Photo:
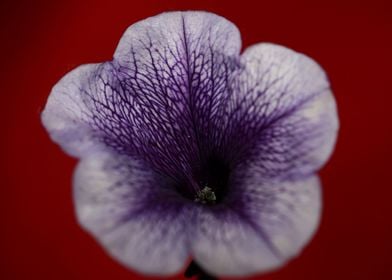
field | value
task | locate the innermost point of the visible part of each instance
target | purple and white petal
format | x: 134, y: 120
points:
x: 175, y: 68
x: 225, y: 243
x: 133, y: 213
x: 282, y: 105
x: 259, y: 229
x: 287, y: 211
x: 181, y: 35
x: 66, y: 115
x: 159, y: 99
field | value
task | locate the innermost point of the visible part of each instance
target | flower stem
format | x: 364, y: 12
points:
x: 195, y: 270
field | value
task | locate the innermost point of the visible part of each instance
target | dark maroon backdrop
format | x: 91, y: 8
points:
x: 40, y: 42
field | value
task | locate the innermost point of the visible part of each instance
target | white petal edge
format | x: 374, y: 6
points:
x: 198, y: 28
x: 64, y: 115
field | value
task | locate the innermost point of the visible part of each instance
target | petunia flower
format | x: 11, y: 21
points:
x: 190, y: 150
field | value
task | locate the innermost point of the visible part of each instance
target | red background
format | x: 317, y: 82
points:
x: 41, y: 41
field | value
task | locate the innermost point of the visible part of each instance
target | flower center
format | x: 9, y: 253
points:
x: 209, y: 182
x: 206, y: 196
x: 212, y: 179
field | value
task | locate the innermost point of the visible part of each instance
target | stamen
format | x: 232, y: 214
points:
x: 206, y: 195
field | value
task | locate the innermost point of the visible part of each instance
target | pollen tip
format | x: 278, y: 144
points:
x: 206, y: 196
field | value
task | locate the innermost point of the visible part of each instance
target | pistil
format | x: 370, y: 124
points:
x: 205, y: 196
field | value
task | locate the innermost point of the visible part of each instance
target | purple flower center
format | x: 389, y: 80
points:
x: 212, y: 179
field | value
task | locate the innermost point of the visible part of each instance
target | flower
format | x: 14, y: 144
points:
x: 189, y: 149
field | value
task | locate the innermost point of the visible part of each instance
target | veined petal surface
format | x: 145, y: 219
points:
x: 259, y: 228
x: 281, y: 115
x: 133, y: 212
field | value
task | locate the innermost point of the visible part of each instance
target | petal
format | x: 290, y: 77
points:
x: 287, y: 211
x: 179, y: 35
x: 176, y: 67
x: 282, y: 102
x: 225, y: 244
x: 133, y: 213
x: 157, y: 100
x: 300, y: 143
x: 260, y: 229
x: 66, y: 115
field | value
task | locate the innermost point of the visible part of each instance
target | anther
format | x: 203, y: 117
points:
x: 206, y: 195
